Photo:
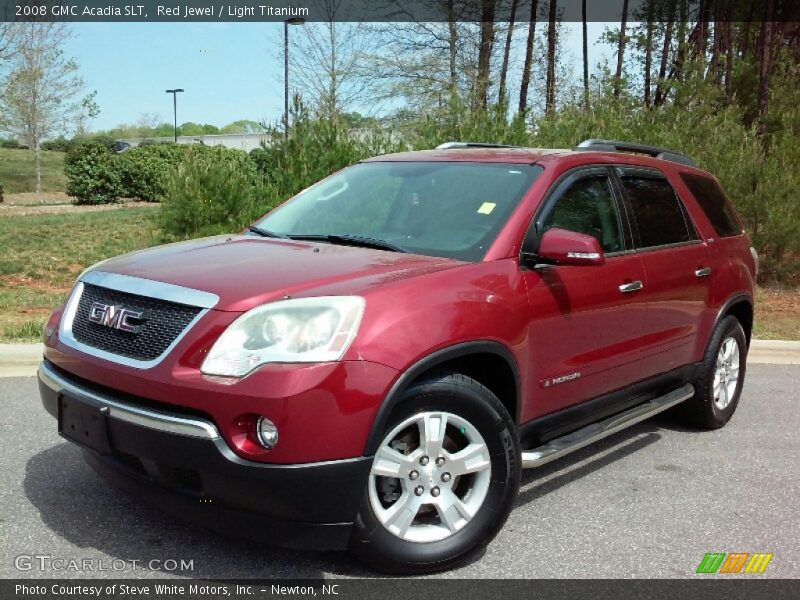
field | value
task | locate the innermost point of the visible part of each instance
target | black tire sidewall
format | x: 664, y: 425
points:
x: 729, y: 327
x: 471, y: 401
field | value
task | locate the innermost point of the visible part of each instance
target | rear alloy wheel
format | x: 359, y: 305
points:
x: 726, y: 374
x: 443, y: 480
x: 719, y: 380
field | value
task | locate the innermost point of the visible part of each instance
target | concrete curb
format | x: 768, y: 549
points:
x: 21, y: 360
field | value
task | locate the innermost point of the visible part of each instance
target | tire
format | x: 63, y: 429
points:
x: 715, y: 401
x: 477, y: 476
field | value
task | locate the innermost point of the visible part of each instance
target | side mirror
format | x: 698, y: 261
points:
x: 563, y: 247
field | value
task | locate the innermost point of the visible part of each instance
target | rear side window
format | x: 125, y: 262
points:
x: 714, y: 203
x: 657, y: 211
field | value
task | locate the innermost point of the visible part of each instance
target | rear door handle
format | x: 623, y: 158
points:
x: 703, y: 272
x: 633, y: 286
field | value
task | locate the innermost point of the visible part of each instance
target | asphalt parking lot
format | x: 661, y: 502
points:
x: 647, y: 502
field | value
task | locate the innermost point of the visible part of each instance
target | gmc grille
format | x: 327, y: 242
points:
x: 165, y: 322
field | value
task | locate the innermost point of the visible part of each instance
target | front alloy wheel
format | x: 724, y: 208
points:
x: 443, y: 480
x: 430, y: 477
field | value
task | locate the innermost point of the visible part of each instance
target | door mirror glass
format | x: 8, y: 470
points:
x: 563, y: 247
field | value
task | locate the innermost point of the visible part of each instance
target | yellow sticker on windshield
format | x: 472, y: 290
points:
x: 486, y: 208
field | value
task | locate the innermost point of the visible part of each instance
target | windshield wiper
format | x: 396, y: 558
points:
x: 266, y: 232
x: 349, y: 240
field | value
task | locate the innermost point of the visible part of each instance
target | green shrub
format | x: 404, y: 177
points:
x: 11, y: 144
x: 59, y: 144
x: 212, y: 190
x: 143, y: 170
x: 315, y: 148
x: 92, y: 175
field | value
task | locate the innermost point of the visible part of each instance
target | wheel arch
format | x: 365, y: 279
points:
x: 490, y: 363
x: 739, y: 306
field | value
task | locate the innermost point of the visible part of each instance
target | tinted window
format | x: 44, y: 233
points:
x: 588, y: 207
x: 658, y: 213
x: 447, y: 209
x: 712, y: 200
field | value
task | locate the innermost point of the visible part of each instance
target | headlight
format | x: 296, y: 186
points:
x: 290, y: 331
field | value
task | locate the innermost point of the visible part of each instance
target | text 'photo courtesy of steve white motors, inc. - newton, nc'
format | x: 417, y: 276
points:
x: 144, y: 12
x: 165, y: 590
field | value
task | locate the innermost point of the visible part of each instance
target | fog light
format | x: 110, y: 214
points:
x: 267, y: 432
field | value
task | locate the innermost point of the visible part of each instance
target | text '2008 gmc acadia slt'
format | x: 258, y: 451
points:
x: 372, y: 364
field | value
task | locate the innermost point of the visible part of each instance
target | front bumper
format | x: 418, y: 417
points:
x: 182, y: 464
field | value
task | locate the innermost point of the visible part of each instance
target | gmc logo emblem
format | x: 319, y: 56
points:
x: 116, y: 317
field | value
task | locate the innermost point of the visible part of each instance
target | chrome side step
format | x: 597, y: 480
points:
x: 597, y: 431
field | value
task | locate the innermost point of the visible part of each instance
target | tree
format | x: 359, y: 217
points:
x: 620, y: 49
x: 662, y: 69
x: 585, y: 57
x: 243, y: 126
x: 326, y: 60
x: 550, y: 90
x: 648, y: 52
x: 485, y: 52
x: 8, y: 33
x: 507, y: 51
x: 40, y: 94
x: 764, y: 50
x: 526, y: 68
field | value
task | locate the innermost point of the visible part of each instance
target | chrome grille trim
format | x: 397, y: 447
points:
x: 141, y: 287
x: 152, y: 289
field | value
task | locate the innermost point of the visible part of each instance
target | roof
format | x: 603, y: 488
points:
x: 499, y: 155
x: 531, y: 156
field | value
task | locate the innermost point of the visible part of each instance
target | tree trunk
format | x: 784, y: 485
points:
x: 765, y: 44
x: 485, y: 52
x: 713, y: 68
x: 37, y: 162
x: 550, y: 89
x: 585, y: 58
x: 729, y: 52
x: 526, y: 68
x: 662, y: 69
x: 744, y: 39
x: 504, y: 70
x: 453, y: 42
x: 648, y: 52
x: 621, y: 49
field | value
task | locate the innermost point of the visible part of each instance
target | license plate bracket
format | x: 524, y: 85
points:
x: 83, y: 423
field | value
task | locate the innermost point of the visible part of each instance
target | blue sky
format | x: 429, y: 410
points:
x: 230, y: 71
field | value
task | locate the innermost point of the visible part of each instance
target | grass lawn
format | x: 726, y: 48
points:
x: 40, y: 257
x: 17, y: 175
x: 777, y: 314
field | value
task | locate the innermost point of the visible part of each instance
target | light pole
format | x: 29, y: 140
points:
x: 286, y: 23
x: 175, y: 93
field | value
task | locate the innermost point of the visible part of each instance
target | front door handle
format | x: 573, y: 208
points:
x: 633, y: 286
x: 703, y: 272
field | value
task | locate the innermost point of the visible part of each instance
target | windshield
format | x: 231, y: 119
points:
x: 446, y: 209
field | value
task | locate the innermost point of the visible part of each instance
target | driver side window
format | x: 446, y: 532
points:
x: 588, y: 207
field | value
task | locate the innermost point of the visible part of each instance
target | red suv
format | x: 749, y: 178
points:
x: 371, y: 365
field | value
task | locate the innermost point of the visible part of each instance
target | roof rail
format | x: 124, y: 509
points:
x: 454, y: 145
x: 654, y: 151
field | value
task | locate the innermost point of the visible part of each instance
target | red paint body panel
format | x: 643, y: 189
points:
x: 554, y: 321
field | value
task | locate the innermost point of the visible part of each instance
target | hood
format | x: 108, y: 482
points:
x: 245, y: 271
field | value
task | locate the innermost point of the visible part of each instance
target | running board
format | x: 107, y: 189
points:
x: 597, y: 431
